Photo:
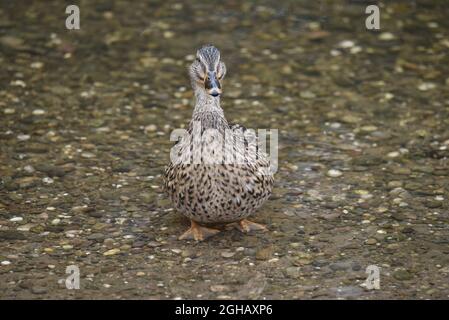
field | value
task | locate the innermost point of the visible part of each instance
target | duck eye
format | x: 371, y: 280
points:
x: 201, y: 78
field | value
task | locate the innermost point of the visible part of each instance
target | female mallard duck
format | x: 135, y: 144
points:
x: 211, y: 189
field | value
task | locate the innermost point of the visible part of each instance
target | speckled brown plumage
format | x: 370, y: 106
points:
x: 213, y: 190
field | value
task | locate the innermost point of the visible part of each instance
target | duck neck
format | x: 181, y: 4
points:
x: 208, y: 112
x: 206, y: 103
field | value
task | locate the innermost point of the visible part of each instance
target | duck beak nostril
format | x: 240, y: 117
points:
x: 214, y: 91
x: 212, y: 84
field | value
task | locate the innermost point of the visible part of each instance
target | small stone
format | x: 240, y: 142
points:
x: 355, y: 50
x: 293, y: 272
x: 5, y: 263
x: 47, y: 180
x: 26, y: 227
x: 96, y: 236
x: 219, y: 288
x: 18, y: 83
x: 335, y: 53
x: 400, y: 192
x: 9, y: 111
x: 111, y: 252
x: 108, y: 242
x: 23, y: 137
x: 227, y: 254
x: 402, y: 275
x: 445, y: 269
x: 371, y: 241
x: 87, y: 155
x: 334, y: 173
x: 150, y: 128
x: 307, y: 95
x: 368, y: 128
x: 39, y: 290
x: 12, y: 235
x: 386, y: 36
x: 398, y: 216
x: 393, y: 154
x: 287, y: 69
x: 303, y: 261
x: 433, y: 204
x: 389, y: 96
x: 55, y: 221
x: 12, y: 42
x: 408, y: 230
x: 36, y: 65
x: 80, y: 209
x: 16, y: 219
x: 351, y: 119
x: 425, y: 86
x: 335, y: 125
x: 187, y: 253
x: 393, y: 246
x: 38, y: 112
x: 168, y: 34
x: 346, y: 44
x: 340, y: 266
x: 29, y: 169
x: 264, y: 253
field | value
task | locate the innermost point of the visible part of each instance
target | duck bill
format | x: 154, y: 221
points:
x: 212, y: 85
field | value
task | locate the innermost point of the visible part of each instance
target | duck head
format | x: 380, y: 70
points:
x: 207, y: 71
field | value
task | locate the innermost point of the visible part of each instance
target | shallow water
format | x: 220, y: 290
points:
x: 85, y: 120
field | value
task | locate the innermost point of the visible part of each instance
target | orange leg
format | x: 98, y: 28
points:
x: 197, y: 232
x: 247, y: 226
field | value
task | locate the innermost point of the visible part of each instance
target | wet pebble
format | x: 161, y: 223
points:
x: 150, y: 128
x: 293, y: 272
x: 386, y: 36
x: 9, y: 111
x: 340, y: 266
x: 39, y: 290
x: 11, y: 235
x: 227, y: 254
x: 346, y: 44
x: 402, y: 275
x: 23, y: 137
x: 426, y: 86
x: 51, y: 170
x: 111, y: 252
x: 12, y: 42
x: 38, y: 112
x: 219, y: 288
x: 334, y: 173
x: 264, y: 253
x: 47, y: 180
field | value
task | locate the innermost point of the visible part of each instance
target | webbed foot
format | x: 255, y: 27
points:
x: 197, y: 232
x: 247, y: 226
